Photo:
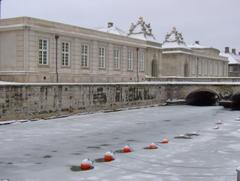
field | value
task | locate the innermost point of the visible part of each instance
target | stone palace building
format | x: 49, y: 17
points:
x: 34, y: 50
x: 234, y: 61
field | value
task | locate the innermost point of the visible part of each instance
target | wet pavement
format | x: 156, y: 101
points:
x: 46, y: 150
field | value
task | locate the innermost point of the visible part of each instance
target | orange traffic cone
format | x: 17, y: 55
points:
x: 108, y: 156
x: 127, y: 149
x: 152, y: 146
x: 86, y: 164
x: 165, y: 141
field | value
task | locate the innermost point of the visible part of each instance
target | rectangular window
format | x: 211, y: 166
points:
x: 65, y: 54
x: 43, y: 52
x: 193, y: 67
x: 203, y: 68
x: 116, y: 58
x: 101, y: 54
x: 130, y: 60
x: 142, y: 61
x: 205, y: 63
x: 84, y: 55
x: 215, y: 68
x: 199, y: 67
x: 209, y: 68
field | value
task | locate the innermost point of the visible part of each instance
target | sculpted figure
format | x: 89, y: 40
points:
x: 144, y: 29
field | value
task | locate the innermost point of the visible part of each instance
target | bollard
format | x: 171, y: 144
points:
x: 238, y: 174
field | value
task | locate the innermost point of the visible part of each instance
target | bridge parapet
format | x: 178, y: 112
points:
x: 194, y: 79
x: 26, y: 101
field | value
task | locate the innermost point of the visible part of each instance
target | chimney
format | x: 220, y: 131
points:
x: 227, y: 50
x: 110, y: 24
x: 197, y: 42
x: 234, y: 51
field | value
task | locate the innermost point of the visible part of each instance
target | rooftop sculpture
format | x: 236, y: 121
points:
x: 141, y: 28
x: 174, y: 36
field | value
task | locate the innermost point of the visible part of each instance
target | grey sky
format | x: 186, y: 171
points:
x: 213, y: 22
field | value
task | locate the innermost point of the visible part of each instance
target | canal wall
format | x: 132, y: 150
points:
x: 42, y: 100
x: 28, y: 101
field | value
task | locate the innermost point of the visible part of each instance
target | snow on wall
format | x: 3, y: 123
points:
x: 26, y: 101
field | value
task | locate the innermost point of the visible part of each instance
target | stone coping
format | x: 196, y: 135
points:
x: 121, y: 83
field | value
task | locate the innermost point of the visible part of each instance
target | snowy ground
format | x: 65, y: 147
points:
x: 46, y: 150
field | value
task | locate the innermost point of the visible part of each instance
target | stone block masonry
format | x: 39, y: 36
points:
x: 28, y: 101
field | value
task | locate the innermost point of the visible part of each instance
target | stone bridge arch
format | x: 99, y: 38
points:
x: 223, y: 92
x: 215, y: 92
x: 203, y: 97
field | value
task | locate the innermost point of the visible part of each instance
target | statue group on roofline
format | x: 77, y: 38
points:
x: 146, y: 29
x: 174, y: 36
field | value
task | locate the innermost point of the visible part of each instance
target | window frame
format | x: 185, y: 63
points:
x: 117, y: 59
x: 200, y: 68
x: 64, y: 53
x: 142, y: 61
x: 42, y: 50
x: 130, y: 60
x: 85, y: 63
x: 102, y: 58
x: 231, y: 68
x: 193, y: 67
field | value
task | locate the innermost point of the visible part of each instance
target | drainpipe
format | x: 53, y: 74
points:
x: 137, y: 65
x: 56, y: 38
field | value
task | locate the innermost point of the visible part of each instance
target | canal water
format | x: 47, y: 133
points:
x: 48, y: 149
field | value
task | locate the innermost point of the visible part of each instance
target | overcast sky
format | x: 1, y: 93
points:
x: 212, y: 22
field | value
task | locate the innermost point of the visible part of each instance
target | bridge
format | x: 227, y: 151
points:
x: 202, y: 93
x: 202, y: 90
x: 30, y: 100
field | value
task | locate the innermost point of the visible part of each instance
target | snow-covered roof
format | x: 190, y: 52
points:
x: 232, y: 58
x: 142, y: 37
x: 174, y: 39
x: 197, y: 46
x: 174, y: 45
x: 112, y: 29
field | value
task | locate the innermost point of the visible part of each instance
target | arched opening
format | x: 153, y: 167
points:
x: 236, y: 101
x: 202, y: 98
x: 154, y: 68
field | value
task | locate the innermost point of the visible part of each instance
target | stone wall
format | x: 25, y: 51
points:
x: 194, y: 79
x: 32, y: 100
x: 27, y: 101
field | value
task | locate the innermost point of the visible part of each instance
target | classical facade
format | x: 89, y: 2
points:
x: 180, y: 59
x: 234, y: 62
x: 34, y: 50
